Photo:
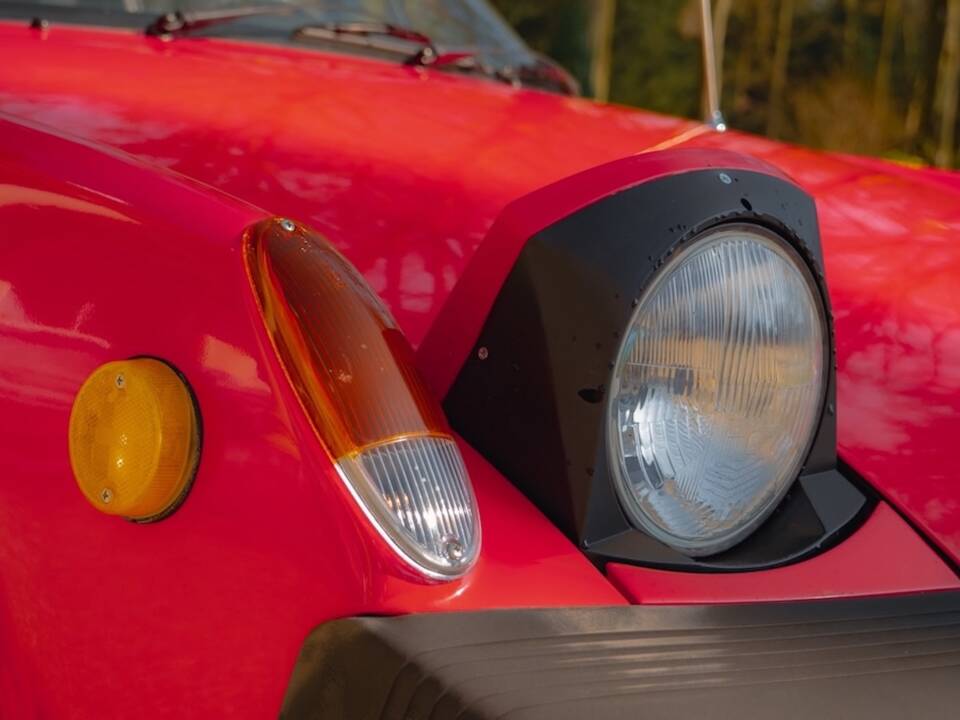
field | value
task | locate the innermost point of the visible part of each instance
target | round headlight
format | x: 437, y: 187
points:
x: 717, y: 389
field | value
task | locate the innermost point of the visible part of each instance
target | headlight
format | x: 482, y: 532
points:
x: 655, y: 371
x: 717, y: 389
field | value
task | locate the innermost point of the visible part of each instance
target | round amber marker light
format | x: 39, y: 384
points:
x: 134, y: 439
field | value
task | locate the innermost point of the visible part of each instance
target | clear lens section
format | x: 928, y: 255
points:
x: 717, y: 390
x: 415, y: 490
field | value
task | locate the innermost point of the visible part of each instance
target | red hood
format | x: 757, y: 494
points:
x: 406, y: 170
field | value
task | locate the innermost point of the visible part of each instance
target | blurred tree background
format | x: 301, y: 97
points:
x: 878, y: 77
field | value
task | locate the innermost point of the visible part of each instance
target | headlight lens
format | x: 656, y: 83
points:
x: 717, y: 389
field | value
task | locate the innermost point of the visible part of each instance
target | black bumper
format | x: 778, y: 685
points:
x: 879, y: 658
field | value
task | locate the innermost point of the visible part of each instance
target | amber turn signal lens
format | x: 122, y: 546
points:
x: 350, y: 364
x: 134, y: 439
x: 353, y: 371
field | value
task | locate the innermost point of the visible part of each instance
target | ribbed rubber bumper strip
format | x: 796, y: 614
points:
x: 896, y: 657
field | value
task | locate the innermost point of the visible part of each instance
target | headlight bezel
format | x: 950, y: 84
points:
x: 531, y: 394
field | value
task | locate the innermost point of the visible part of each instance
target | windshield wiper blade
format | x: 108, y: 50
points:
x: 359, y: 29
x: 180, y: 22
x: 416, y: 47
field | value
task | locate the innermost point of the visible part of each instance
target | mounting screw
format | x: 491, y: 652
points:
x: 725, y: 179
x: 106, y: 495
x: 121, y: 381
x: 483, y: 353
x: 287, y: 225
x: 453, y: 550
x: 39, y: 23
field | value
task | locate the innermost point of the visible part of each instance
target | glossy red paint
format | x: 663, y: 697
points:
x: 847, y: 570
x: 403, y: 168
x: 406, y: 170
x: 203, y: 613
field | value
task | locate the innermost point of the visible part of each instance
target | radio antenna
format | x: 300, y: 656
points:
x: 714, y: 115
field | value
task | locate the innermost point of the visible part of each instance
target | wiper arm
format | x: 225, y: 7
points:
x: 546, y: 74
x: 180, y: 22
x: 416, y: 47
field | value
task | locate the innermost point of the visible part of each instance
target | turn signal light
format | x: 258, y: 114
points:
x: 134, y: 439
x: 353, y: 371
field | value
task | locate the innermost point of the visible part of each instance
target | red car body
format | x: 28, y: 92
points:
x: 129, y: 169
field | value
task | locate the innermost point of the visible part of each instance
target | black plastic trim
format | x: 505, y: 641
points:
x: 878, y: 658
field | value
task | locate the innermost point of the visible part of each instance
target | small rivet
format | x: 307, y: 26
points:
x: 483, y: 353
x: 287, y: 225
x: 453, y: 549
x: 725, y: 179
x: 106, y: 495
x: 121, y: 381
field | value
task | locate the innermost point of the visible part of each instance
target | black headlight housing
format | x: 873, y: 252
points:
x: 531, y: 395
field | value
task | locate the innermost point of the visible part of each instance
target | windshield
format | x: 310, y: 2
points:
x: 451, y: 25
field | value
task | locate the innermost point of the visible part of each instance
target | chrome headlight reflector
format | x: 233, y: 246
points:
x: 717, y: 389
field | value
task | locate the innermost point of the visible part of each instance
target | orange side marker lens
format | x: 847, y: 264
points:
x: 134, y: 439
